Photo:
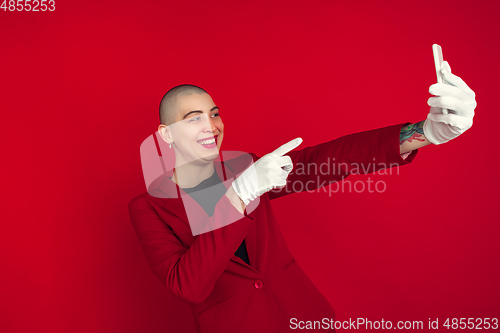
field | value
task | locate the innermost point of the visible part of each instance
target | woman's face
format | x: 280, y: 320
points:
x: 198, y: 131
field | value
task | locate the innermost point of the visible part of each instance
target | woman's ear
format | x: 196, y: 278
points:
x: 165, y: 133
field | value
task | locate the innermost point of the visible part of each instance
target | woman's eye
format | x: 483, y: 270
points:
x: 194, y: 119
x: 215, y: 114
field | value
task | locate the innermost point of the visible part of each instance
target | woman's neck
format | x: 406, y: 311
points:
x: 189, y: 175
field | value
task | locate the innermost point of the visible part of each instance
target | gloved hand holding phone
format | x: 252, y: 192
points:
x: 455, y: 96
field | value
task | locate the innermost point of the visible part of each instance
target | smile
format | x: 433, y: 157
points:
x: 208, y: 143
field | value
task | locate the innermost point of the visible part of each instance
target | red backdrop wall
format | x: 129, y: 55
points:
x: 80, y: 89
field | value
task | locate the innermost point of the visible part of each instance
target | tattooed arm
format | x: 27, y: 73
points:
x: 412, y: 137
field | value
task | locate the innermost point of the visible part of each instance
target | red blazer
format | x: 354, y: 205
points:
x: 225, y: 294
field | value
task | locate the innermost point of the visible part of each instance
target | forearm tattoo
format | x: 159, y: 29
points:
x: 412, y: 132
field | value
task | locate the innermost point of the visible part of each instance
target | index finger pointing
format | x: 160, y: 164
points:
x: 288, y: 146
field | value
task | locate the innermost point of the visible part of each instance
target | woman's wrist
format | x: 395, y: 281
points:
x: 235, y: 200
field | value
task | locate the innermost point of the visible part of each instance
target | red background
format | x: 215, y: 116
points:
x: 79, y: 93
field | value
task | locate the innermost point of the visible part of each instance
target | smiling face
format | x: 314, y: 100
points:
x: 197, y: 132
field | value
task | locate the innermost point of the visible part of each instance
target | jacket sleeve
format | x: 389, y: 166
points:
x: 332, y: 161
x: 189, y: 273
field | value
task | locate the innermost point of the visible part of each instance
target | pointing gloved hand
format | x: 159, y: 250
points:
x: 460, y: 101
x: 265, y: 174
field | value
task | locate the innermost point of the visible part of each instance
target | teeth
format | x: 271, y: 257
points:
x: 207, y: 142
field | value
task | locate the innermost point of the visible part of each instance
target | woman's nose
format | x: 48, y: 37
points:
x: 210, y: 126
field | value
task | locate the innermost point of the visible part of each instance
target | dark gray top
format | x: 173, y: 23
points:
x: 208, y: 202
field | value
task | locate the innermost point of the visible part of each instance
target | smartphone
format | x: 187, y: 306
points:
x: 437, y: 51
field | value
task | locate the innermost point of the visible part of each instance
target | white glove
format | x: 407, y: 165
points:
x: 460, y: 101
x: 265, y: 174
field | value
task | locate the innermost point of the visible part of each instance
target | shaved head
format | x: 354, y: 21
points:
x: 169, y: 104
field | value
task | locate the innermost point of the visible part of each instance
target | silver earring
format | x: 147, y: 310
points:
x: 170, y: 144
